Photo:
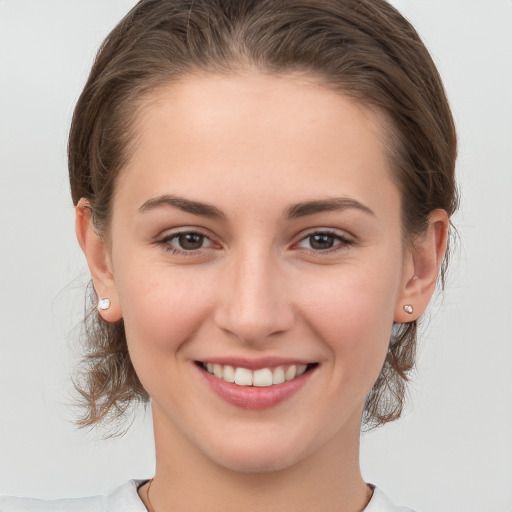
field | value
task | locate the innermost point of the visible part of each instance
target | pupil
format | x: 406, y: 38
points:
x: 190, y: 241
x: 322, y: 241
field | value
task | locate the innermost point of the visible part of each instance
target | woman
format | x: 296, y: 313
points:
x: 263, y: 193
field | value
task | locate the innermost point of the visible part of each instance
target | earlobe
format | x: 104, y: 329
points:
x: 98, y: 259
x: 422, y: 269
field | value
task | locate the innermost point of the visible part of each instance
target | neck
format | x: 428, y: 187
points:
x: 185, y: 479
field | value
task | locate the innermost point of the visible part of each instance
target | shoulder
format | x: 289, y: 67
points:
x: 123, y: 499
x: 126, y: 499
x: 381, y: 503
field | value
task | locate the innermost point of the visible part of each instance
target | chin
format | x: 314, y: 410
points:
x: 250, y: 455
x: 249, y: 462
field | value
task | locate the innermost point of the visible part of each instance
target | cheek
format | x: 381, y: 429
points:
x: 162, y: 309
x: 352, y: 311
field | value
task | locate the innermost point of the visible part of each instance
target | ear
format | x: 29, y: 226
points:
x: 98, y: 259
x: 422, y: 266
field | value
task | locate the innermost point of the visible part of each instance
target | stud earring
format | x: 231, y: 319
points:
x: 103, y: 304
x: 409, y: 309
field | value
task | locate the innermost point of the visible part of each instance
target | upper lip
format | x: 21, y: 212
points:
x: 256, y: 363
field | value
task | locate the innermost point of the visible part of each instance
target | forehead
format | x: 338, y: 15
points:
x: 264, y: 134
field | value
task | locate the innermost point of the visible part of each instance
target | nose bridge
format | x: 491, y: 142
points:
x: 255, y: 304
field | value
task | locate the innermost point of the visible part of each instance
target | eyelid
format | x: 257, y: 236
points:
x: 165, y: 240
x: 342, y: 237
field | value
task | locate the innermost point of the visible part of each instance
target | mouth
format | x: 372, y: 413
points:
x: 261, y: 377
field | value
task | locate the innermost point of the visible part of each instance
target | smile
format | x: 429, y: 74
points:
x: 265, y: 384
x: 263, y: 377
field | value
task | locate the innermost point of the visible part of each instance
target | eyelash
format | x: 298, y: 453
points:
x: 344, y: 242
x: 166, y: 243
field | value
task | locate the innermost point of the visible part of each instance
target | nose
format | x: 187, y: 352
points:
x: 254, y: 303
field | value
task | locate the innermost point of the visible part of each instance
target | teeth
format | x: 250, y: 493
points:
x: 264, y: 377
x: 290, y: 373
x: 228, y: 374
x: 217, y: 370
x: 301, y: 369
x: 243, y: 377
x: 278, y: 375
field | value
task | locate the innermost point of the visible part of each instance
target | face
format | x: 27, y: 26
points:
x: 256, y: 236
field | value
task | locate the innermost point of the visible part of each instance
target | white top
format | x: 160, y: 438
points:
x: 126, y: 499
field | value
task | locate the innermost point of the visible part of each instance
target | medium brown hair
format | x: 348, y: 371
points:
x: 365, y: 49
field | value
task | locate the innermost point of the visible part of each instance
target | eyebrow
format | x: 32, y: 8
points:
x: 326, y: 205
x: 293, y: 212
x: 186, y: 205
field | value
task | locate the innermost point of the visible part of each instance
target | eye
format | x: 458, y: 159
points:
x: 186, y: 241
x: 324, y: 241
x: 190, y: 241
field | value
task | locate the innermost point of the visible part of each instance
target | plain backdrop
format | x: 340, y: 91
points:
x: 452, y: 451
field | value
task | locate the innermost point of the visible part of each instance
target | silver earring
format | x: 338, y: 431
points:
x: 409, y: 309
x: 103, y: 304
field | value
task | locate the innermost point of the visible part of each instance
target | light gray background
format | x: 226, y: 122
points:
x: 453, y: 449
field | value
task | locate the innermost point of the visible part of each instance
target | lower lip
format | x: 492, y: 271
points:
x: 254, y: 397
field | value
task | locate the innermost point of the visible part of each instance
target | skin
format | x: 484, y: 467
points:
x: 253, y: 145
